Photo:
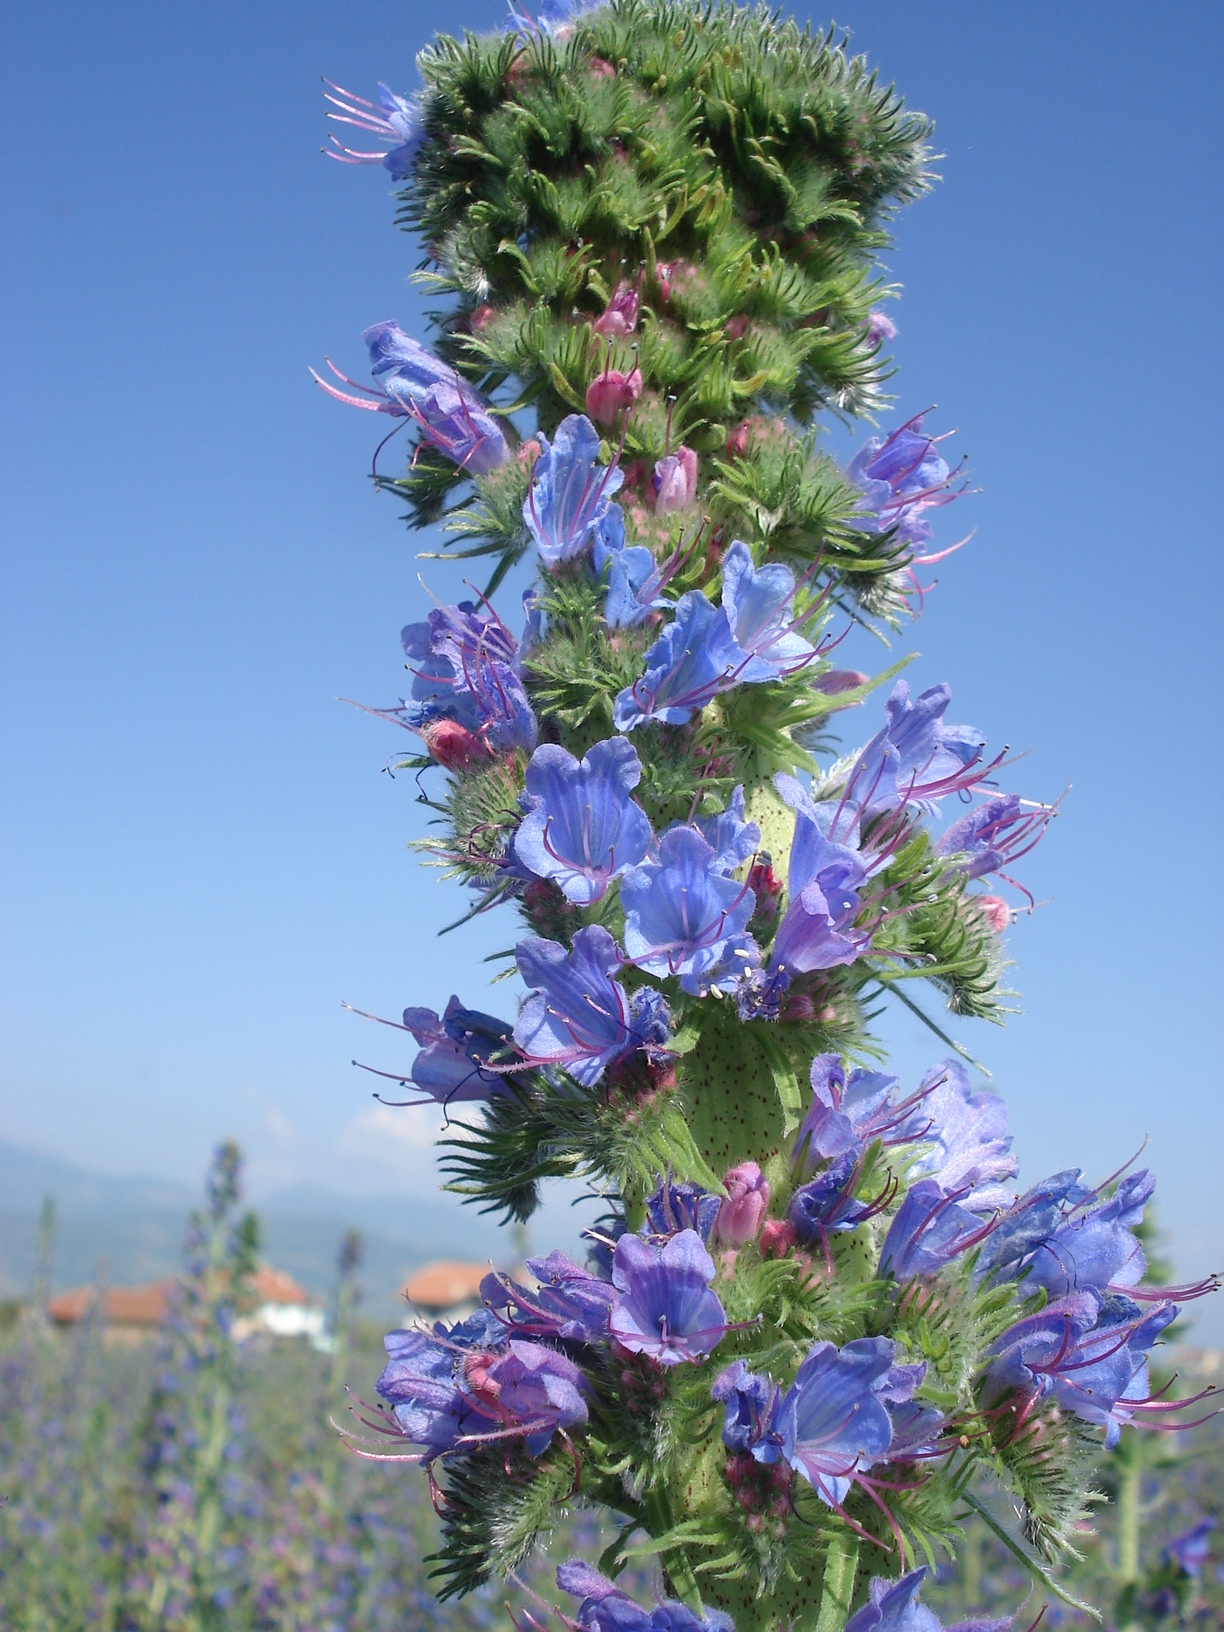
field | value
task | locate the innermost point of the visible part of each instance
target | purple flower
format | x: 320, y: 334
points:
x: 759, y: 603
x: 827, y: 1205
x: 420, y: 1383
x: 666, y: 1309
x: 916, y: 759
x: 452, y: 417
x: 1093, y: 1245
x: 694, y: 659
x: 901, y: 476
x: 970, y: 1150
x: 570, y: 492
x: 634, y: 577
x: 1088, y: 1352
x: 893, y: 1606
x: 675, y: 1207
x: 605, y: 1608
x: 620, y: 316
x: 583, y: 828
x: 1191, y: 1550
x: 994, y: 835
x: 553, y: 17
x: 684, y: 918
x: 453, y: 1050
x: 824, y: 881
x: 929, y: 1230
x: 465, y: 668
x: 577, y: 1016
x: 733, y: 840
x: 569, y: 1302
x: 531, y: 1390
x: 832, y: 1421
x: 675, y: 481
x: 393, y: 119
x: 743, y: 1212
x: 880, y: 327
x: 751, y: 1403
x: 850, y: 1109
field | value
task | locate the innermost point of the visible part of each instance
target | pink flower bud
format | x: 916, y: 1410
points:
x: 453, y: 745
x: 675, y: 481
x: 621, y: 316
x: 996, y: 912
x: 777, y: 1238
x: 737, y: 328
x: 481, y: 315
x: 741, y: 1215
x: 601, y: 68
x: 611, y: 392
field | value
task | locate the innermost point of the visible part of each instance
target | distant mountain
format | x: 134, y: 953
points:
x: 134, y: 1229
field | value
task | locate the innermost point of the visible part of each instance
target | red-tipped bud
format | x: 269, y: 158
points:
x: 777, y: 1238
x: 620, y: 318
x: 611, y: 392
x: 737, y: 328
x: 453, y: 745
x: 601, y: 68
x: 837, y: 680
x: 675, y: 481
x: 995, y: 910
x: 741, y: 1215
x: 480, y: 317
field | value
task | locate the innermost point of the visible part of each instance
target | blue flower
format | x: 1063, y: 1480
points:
x: 994, y: 835
x: 893, y: 1606
x: 1087, y: 1352
x: 420, y: 1383
x: 577, y: 1016
x: 634, y: 577
x: 824, y: 880
x: 453, y: 1050
x: 553, y: 17
x: 970, y: 1148
x: 392, y: 119
x: 1191, y: 1550
x: 682, y: 917
x: 929, y: 1230
x: 606, y: 1608
x: 531, y: 1390
x: 570, y: 492
x: 694, y: 659
x: 759, y: 604
x: 1093, y: 1245
x: 916, y: 759
x: 465, y: 668
x: 827, y: 1205
x: 901, y: 477
x: 582, y: 828
x: 1025, y: 1225
x: 751, y: 1409
x: 666, y: 1309
x: 675, y: 1207
x: 733, y: 840
x: 832, y: 1421
x: 453, y: 417
x: 850, y: 1109
x: 568, y: 1302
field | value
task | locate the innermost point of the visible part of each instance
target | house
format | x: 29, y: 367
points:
x: 275, y: 1306
x: 447, y: 1290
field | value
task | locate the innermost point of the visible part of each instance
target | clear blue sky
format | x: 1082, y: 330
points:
x: 201, y: 858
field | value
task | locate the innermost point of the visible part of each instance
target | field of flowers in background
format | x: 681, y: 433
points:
x: 191, y: 1483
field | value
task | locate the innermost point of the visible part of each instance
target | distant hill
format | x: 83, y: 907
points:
x: 135, y: 1225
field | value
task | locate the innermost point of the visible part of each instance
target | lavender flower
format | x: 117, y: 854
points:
x: 634, y: 577
x: 583, y: 828
x: 674, y: 1207
x: 901, y: 477
x: 1191, y: 1550
x: 675, y: 481
x: 570, y: 492
x: 421, y: 1382
x: 453, y: 1051
x: 893, y: 1607
x: 751, y: 1409
x: 759, y: 603
x: 395, y: 120
x: 824, y: 881
x: 605, y: 1608
x: 850, y: 1109
x: 694, y: 659
x: 684, y: 918
x: 826, y: 1205
x: 832, y: 1422
x: 916, y: 759
x: 733, y: 839
x: 994, y: 835
x: 465, y: 668
x: 880, y: 327
x: 970, y: 1148
x: 453, y: 418
x: 568, y: 1303
x: 929, y: 1229
x: 532, y: 1390
x: 577, y: 1016
x: 1093, y: 1246
x: 666, y: 1309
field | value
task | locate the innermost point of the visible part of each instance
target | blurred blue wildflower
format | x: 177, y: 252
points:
x: 394, y: 120
x: 606, y: 1608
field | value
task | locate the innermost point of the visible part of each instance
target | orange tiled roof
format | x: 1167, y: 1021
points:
x: 444, y: 1284
x: 270, y: 1285
x: 125, y: 1305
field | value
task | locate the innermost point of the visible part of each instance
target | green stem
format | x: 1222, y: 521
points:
x: 1031, y: 1565
x: 841, y: 1568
